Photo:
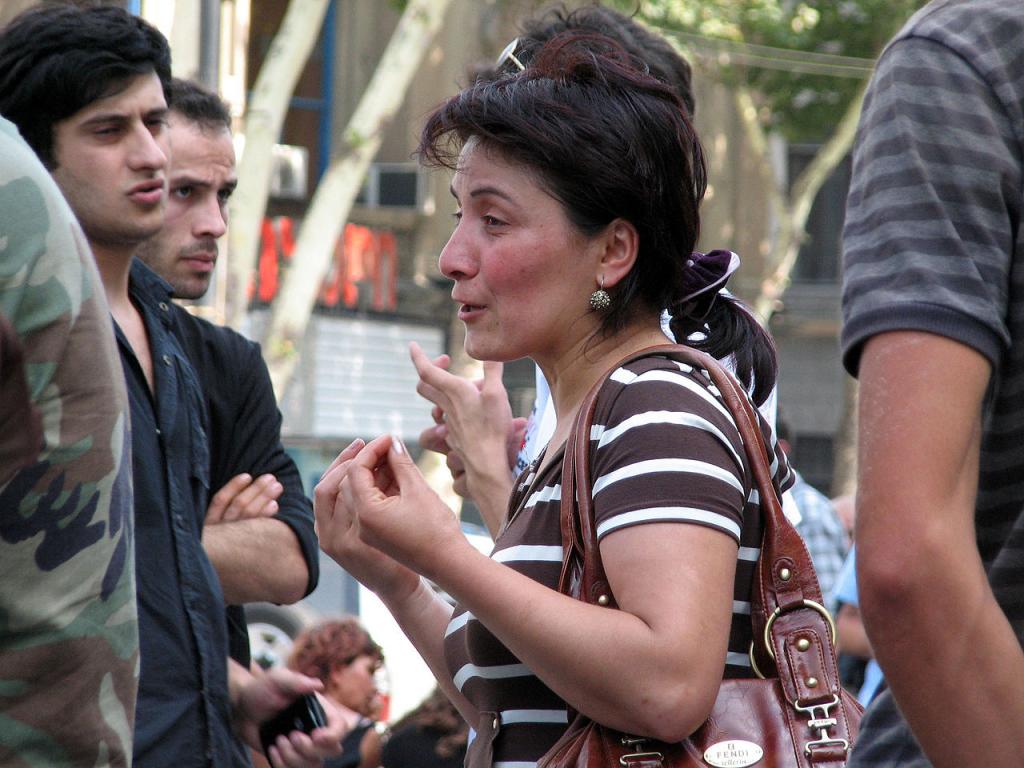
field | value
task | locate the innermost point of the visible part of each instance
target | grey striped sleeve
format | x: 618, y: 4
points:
x: 936, y: 181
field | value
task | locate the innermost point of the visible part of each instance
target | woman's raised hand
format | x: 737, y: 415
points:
x: 380, y: 520
x: 475, y: 412
x: 397, y: 512
x: 337, y: 526
x: 474, y: 428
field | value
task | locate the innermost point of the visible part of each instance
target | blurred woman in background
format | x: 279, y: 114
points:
x: 341, y: 653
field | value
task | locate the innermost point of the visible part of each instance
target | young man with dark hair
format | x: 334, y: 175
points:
x: 88, y: 89
x: 201, y: 180
x: 261, y: 502
x: 261, y: 493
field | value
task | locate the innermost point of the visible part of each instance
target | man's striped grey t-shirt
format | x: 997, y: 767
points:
x: 934, y: 242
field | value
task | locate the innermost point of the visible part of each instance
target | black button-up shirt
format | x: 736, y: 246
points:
x: 182, y: 716
x: 245, y: 436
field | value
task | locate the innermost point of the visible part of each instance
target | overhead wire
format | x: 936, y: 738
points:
x: 768, y: 57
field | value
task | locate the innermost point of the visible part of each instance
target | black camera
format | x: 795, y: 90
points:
x: 304, y: 714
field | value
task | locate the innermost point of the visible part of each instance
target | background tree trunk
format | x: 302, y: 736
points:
x: 795, y: 206
x: 844, y: 472
x: 328, y: 211
x: 264, y: 117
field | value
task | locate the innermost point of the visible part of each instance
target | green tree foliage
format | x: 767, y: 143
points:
x: 802, y: 61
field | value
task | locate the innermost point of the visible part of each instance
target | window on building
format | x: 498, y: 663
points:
x: 813, y: 456
x: 820, y: 256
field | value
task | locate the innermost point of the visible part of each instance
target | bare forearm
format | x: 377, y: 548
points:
x: 240, y: 551
x: 424, y: 617
x: 672, y: 634
x: 946, y: 640
x: 947, y: 649
x: 238, y: 679
x: 491, y: 495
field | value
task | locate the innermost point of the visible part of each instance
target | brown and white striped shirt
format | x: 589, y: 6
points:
x: 664, y: 448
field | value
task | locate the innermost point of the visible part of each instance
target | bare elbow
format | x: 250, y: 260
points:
x: 289, y: 583
x: 293, y: 588
x: 677, y: 714
x: 672, y: 732
x: 890, y: 586
x: 291, y: 596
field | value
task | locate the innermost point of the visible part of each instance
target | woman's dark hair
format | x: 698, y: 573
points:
x: 608, y: 141
x: 656, y: 53
x: 436, y: 713
x: 58, y: 59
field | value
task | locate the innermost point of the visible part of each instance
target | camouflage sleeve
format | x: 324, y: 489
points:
x: 68, y: 627
x: 20, y: 423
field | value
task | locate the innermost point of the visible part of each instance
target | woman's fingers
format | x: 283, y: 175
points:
x: 435, y: 438
x: 436, y: 383
x: 379, y: 470
x: 441, y: 361
x: 419, y: 357
x: 330, y: 520
x: 492, y: 377
x: 358, y: 487
x: 349, y: 452
x: 457, y: 466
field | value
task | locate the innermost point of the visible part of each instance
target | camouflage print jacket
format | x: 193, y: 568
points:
x: 68, y: 627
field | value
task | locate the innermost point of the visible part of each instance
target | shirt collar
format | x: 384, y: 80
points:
x: 149, y: 289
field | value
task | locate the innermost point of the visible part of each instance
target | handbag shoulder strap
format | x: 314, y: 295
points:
x: 786, y: 596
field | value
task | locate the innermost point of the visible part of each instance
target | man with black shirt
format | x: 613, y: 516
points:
x: 261, y: 504
x: 261, y: 513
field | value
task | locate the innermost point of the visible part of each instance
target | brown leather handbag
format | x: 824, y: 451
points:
x: 796, y: 714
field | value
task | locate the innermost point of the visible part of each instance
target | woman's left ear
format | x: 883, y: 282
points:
x: 621, y: 243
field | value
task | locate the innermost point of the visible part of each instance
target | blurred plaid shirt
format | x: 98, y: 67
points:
x: 823, y: 534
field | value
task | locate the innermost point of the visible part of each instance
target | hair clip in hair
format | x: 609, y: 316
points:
x: 509, y: 54
x: 704, y: 276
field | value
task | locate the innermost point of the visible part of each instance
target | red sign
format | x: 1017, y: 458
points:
x: 362, y: 256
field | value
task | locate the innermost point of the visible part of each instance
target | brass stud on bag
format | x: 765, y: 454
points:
x: 803, y: 644
x: 785, y: 574
x: 603, y: 600
x: 811, y: 682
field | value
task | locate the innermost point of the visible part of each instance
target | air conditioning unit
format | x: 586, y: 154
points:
x: 392, y: 185
x: 290, y: 172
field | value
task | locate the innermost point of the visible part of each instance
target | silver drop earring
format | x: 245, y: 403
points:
x: 599, y: 299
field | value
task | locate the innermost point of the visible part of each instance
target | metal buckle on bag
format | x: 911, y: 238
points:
x: 806, y: 604
x: 821, y: 720
x: 753, y: 662
x: 768, y: 633
x: 636, y: 758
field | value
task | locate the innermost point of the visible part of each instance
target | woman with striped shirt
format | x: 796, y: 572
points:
x: 577, y: 181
